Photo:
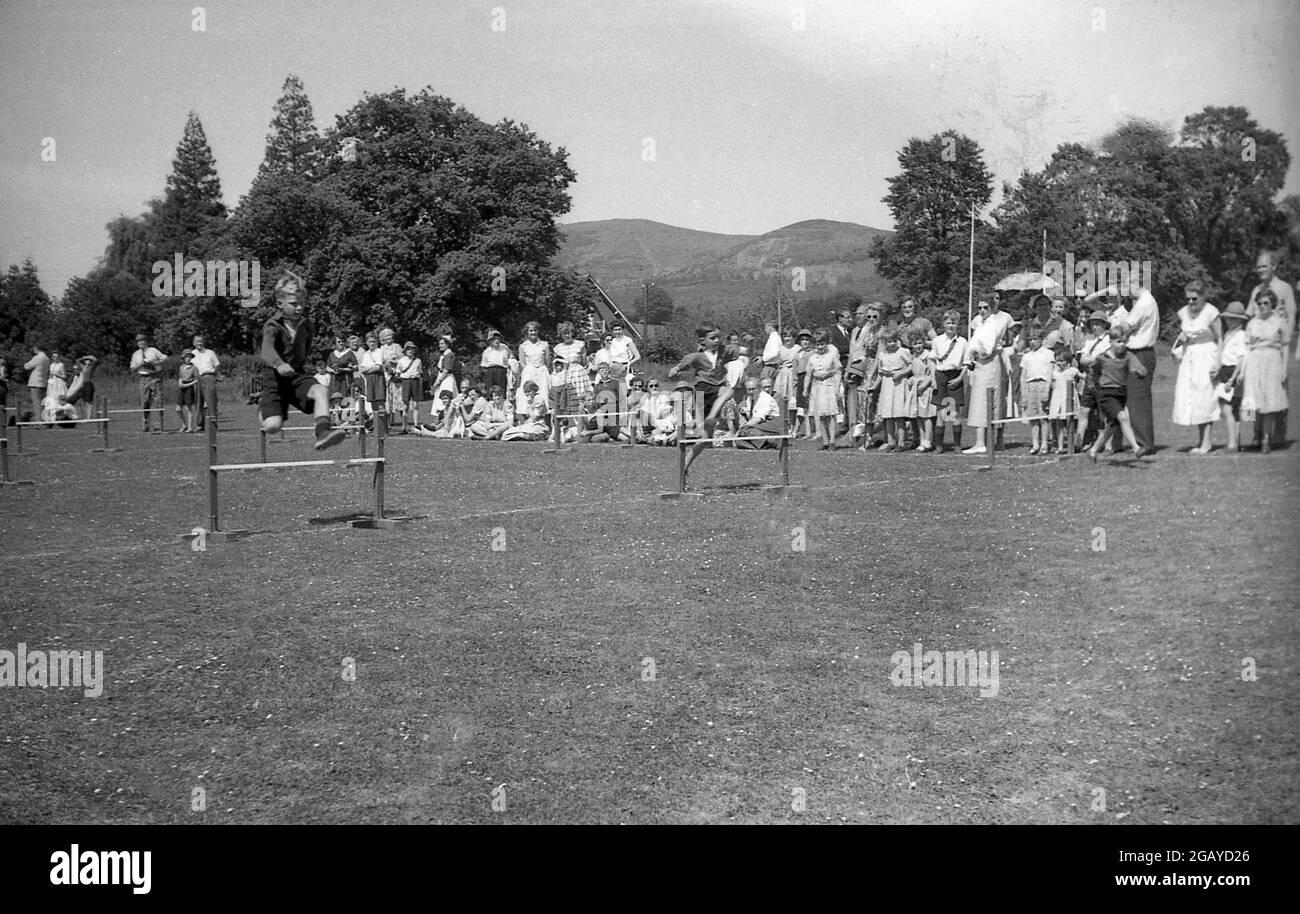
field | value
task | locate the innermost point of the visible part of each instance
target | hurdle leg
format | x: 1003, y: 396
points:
x: 18, y: 432
x: 261, y: 444
x: 213, y: 513
x: 989, y: 428
x: 380, y: 520
x: 103, y: 432
x: 557, y: 433
x: 4, y: 467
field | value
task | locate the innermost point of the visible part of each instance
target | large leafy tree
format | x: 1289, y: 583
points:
x: 931, y: 199
x: 439, y: 221
x: 101, y: 314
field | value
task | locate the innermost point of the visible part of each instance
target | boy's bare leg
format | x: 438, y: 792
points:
x: 1127, y: 428
x: 725, y: 395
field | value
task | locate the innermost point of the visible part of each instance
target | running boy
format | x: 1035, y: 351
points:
x: 286, y: 344
x: 709, y: 365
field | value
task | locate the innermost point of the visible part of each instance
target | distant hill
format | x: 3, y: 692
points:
x: 710, y: 271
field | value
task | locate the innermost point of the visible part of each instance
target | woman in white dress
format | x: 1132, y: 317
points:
x: 1195, y: 402
x: 445, y: 379
x: 985, y: 363
x: 1264, y: 371
x: 534, y: 365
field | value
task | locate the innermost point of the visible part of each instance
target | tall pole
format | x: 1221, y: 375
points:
x: 970, y: 277
x: 645, y: 311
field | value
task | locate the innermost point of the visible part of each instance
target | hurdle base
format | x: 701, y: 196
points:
x: 219, y: 536
x: 786, y: 491
x: 17, y: 482
x: 105, y: 450
x: 680, y: 496
x: 364, y: 519
x: 379, y: 523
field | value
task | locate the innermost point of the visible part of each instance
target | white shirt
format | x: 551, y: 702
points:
x: 1143, y: 321
x: 955, y: 355
x: 986, y: 339
x: 146, y: 361
x: 409, y: 367
x: 764, y: 407
x: 205, y: 361
x: 622, y: 349
x: 1036, y: 365
x: 1233, y: 348
x: 736, y: 371
x: 772, y: 348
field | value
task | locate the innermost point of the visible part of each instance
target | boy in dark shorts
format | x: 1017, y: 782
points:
x: 286, y: 344
x: 711, y: 391
x: 1110, y: 373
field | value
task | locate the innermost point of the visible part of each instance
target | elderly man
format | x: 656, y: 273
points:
x: 206, y: 363
x: 38, y: 377
x: 762, y: 415
x: 146, y: 364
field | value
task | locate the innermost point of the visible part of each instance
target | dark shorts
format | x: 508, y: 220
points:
x: 942, y: 392
x: 279, y: 392
x: 496, y: 375
x: 709, y: 395
x: 412, y: 390
x: 800, y: 395
x: 1111, y: 400
x: 85, y: 395
x: 188, y: 396
x: 1088, y: 399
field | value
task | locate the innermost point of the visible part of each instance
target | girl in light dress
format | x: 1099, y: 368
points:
x: 921, y: 392
x: 534, y: 427
x: 534, y: 365
x: 894, y: 368
x: 1264, y: 396
x: 1063, y: 401
x: 1195, y: 402
x: 822, y: 387
x: 783, y: 385
x: 577, y: 380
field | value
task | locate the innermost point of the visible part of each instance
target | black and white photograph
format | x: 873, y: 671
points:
x: 662, y: 412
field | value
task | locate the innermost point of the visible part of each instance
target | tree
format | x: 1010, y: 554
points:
x: 191, y: 209
x: 440, y: 221
x: 293, y: 146
x: 101, y: 314
x: 942, y: 178
x: 25, y: 310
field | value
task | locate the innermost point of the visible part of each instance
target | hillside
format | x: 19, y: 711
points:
x: 721, y: 273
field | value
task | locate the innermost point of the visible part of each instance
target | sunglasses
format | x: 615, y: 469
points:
x: 983, y: 307
x: 654, y: 387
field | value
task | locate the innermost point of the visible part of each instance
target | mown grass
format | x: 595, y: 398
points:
x: 477, y: 668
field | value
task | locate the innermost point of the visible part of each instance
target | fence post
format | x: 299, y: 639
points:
x: 212, y: 475
x: 990, y: 403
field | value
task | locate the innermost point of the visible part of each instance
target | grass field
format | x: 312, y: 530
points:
x: 520, y: 673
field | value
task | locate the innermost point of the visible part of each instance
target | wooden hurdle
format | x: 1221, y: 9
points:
x: 783, y: 457
x: 161, y: 410
x: 102, y: 420
x: 557, y: 435
x: 378, y: 520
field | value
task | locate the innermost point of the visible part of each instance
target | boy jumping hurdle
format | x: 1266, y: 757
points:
x: 286, y: 344
x: 711, y: 391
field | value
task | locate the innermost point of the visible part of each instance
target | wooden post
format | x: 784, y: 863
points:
x: 681, y: 461
x: 381, y: 429
x: 990, y: 402
x: 212, y: 474
x: 103, y: 426
x: 261, y: 444
x: 18, y: 431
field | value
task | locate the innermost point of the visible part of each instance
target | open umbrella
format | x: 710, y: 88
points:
x: 1026, y: 282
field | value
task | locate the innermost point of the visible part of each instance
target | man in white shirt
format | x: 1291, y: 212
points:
x: 146, y: 364
x: 1266, y: 270
x: 1143, y: 324
x: 623, y: 354
x: 764, y: 415
x: 206, y: 363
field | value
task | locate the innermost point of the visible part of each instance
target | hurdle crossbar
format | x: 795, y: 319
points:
x: 285, y: 464
x: 101, y: 419
x: 783, y: 456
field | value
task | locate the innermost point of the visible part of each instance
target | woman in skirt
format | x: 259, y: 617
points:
x: 1264, y: 374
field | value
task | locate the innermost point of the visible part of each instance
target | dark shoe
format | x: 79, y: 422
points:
x: 330, y: 437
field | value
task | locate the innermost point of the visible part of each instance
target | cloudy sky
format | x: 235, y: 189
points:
x: 761, y: 113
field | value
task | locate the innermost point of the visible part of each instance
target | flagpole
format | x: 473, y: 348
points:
x: 970, y: 279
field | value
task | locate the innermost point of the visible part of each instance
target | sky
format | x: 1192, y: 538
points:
x: 759, y: 113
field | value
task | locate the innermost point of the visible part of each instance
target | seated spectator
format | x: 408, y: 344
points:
x: 535, y: 426
x: 491, y: 417
x: 762, y: 415
x: 83, y: 386
x: 656, y: 411
x: 607, y: 396
x: 445, y: 421
x: 636, y: 396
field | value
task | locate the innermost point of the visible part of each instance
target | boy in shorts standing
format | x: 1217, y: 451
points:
x: 286, y: 344
x: 1111, y: 372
